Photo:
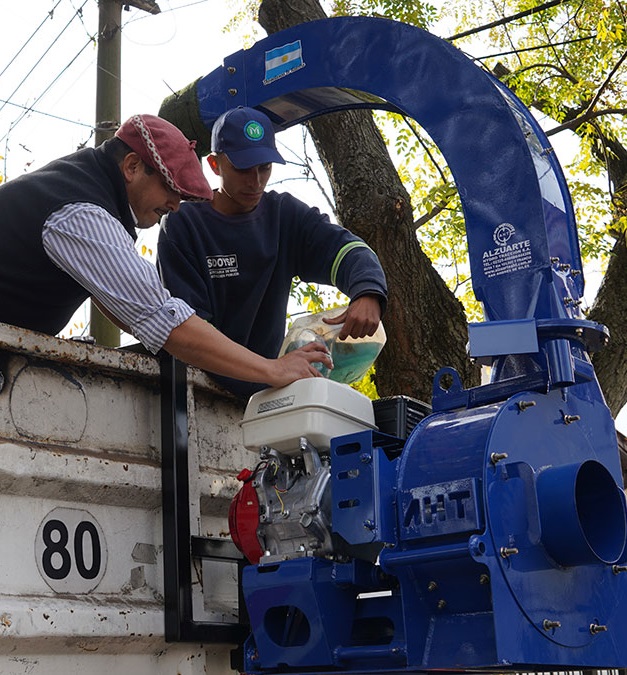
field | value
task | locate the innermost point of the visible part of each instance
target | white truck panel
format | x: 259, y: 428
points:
x: 81, y: 571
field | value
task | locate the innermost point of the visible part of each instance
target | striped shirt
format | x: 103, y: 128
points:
x: 88, y: 243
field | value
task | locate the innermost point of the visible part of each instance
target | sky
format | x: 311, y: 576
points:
x: 48, y: 83
x: 55, y: 71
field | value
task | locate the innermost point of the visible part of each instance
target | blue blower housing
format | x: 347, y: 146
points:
x: 502, y: 533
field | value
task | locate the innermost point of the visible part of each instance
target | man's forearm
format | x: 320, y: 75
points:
x: 198, y: 343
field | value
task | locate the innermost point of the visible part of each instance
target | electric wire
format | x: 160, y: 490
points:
x: 46, y: 114
x: 40, y: 60
x: 49, y: 15
x: 79, y: 13
x: 29, y: 108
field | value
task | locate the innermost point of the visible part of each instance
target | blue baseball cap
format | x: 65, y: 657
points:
x: 246, y: 137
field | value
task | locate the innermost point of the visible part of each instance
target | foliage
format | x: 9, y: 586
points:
x: 423, y: 14
x: 409, y: 11
x: 243, y: 21
x: 568, y: 62
x: 593, y: 215
x: 367, y: 384
x: 76, y: 328
x: 307, y: 297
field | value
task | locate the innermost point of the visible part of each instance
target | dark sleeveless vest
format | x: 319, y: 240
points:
x: 34, y: 292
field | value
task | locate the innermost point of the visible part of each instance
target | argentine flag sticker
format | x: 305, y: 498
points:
x: 283, y: 60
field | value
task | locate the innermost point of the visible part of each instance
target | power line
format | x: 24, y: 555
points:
x: 31, y: 108
x: 50, y: 15
x: 40, y: 60
x: 79, y: 13
x: 28, y: 109
x: 45, y: 114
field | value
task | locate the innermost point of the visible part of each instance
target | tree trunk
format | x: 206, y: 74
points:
x: 610, y: 305
x: 425, y: 323
x: 610, y: 309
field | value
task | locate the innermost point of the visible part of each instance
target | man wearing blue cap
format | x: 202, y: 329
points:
x: 233, y: 260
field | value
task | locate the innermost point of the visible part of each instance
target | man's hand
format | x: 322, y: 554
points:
x: 200, y: 344
x: 297, y: 364
x: 360, y: 319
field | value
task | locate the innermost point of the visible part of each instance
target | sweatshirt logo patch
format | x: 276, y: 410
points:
x: 222, y: 266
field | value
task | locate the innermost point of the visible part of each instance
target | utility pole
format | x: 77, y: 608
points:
x: 108, y: 111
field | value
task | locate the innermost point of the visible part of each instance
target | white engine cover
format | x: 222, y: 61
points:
x: 316, y: 408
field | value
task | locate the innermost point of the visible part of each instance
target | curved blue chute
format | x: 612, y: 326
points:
x: 520, y: 225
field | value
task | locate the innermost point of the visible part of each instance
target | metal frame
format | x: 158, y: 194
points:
x: 179, y: 546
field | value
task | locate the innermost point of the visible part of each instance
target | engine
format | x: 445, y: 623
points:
x: 290, y: 488
x: 293, y: 498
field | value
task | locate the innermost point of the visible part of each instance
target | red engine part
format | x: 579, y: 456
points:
x: 244, y: 518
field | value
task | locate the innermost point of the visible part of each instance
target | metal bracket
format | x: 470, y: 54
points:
x: 179, y: 547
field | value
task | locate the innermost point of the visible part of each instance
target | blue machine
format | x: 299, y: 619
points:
x: 493, y: 537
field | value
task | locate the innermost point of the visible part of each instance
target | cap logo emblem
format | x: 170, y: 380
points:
x: 254, y: 131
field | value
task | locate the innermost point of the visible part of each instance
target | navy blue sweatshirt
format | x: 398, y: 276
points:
x: 236, y: 271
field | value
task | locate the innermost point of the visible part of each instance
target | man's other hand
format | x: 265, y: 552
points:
x: 361, y: 318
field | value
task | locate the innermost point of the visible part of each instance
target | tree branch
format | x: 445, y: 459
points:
x: 586, y: 117
x: 436, y: 210
x: 550, y: 66
x: 535, y: 48
x: 508, y: 19
x: 608, y: 79
x: 427, y: 150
